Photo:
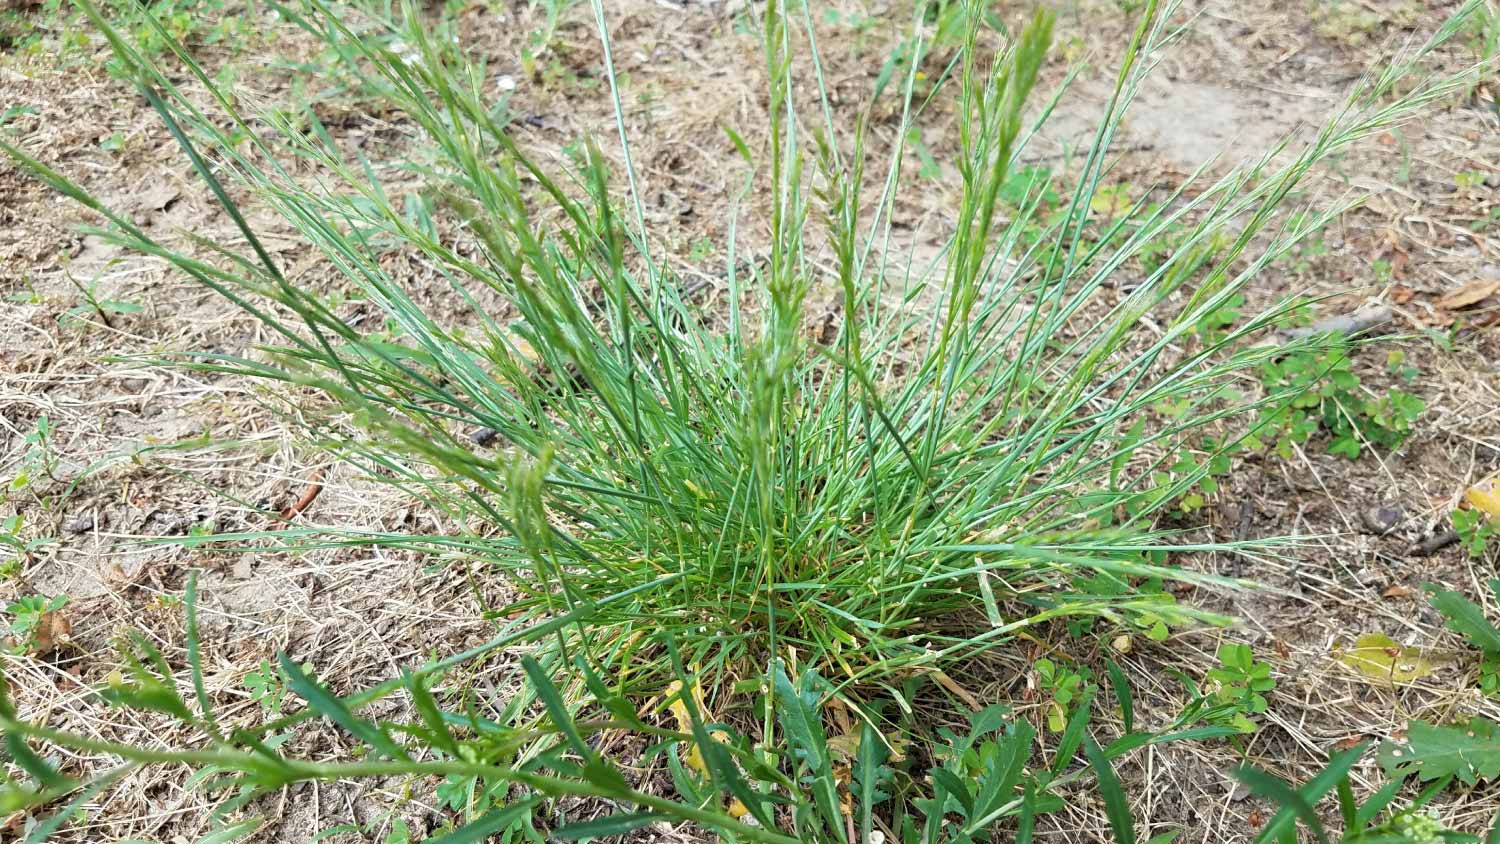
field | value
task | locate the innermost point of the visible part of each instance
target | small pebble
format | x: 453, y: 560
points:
x: 1381, y: 519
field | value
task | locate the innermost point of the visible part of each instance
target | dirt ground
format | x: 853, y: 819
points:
x: 132, y: 441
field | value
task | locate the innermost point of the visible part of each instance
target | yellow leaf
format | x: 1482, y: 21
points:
x: 679, y: 709
x: 1057, y: 717
x: 1111, y: 201
x: 1377, y: 656
x: 846, y: 747
x: 1485, y: 498
x: 737, y: 809
x: 693, y: 758
x: 844, y: 776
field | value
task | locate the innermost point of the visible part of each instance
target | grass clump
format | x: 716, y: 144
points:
x: 721, y: 512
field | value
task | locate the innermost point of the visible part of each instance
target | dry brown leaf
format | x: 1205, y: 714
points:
x: 844, y: 745
x: 52, y: 629
x: 1468, y: 295
x: 1398, y: 591
x: 13, y: 823
x: 155, y: 196
x: 1401, y: 294
x: 962, y: 693
x: 1348, y: 742
x: 840, y: 714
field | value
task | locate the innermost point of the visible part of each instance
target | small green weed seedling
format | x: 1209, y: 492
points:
x: 17, y: 545
x: 1469, y: 179
x: 38, y: 462
x: 1063, y: 685
x: 1240, y: 687
x: 12, y: 112
x: 202, y: 22
x: 33, y: 470
x: 947, y: 28
x: 1202, y: 466
x: 1476, y: 531
x: 24, y: 619
x: 55, y: 25
x: 1466, y: 618
x: 1485, y: 223
x: 1327, y: 396
x: 929, y: 168
x: 1215, y: 324
x: 266, y: 688
x: 539, y: 40
x: 1301, y: 260
x: 80, y: 315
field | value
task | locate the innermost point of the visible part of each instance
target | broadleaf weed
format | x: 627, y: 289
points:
x: 1329, y: 397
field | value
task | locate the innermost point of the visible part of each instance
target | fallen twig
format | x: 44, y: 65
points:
x: 314, y: 487
x: 1348, y: 325
x: 1435, y: 543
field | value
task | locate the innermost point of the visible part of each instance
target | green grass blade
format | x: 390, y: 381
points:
x: 618, y: 824
x: 45, y: 775
x: 195, y: 659
x: 322, y: 702
x: 46, y: 828
x: 481, y: 829
x: 1123, y: 695
x: 1116, y: 806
